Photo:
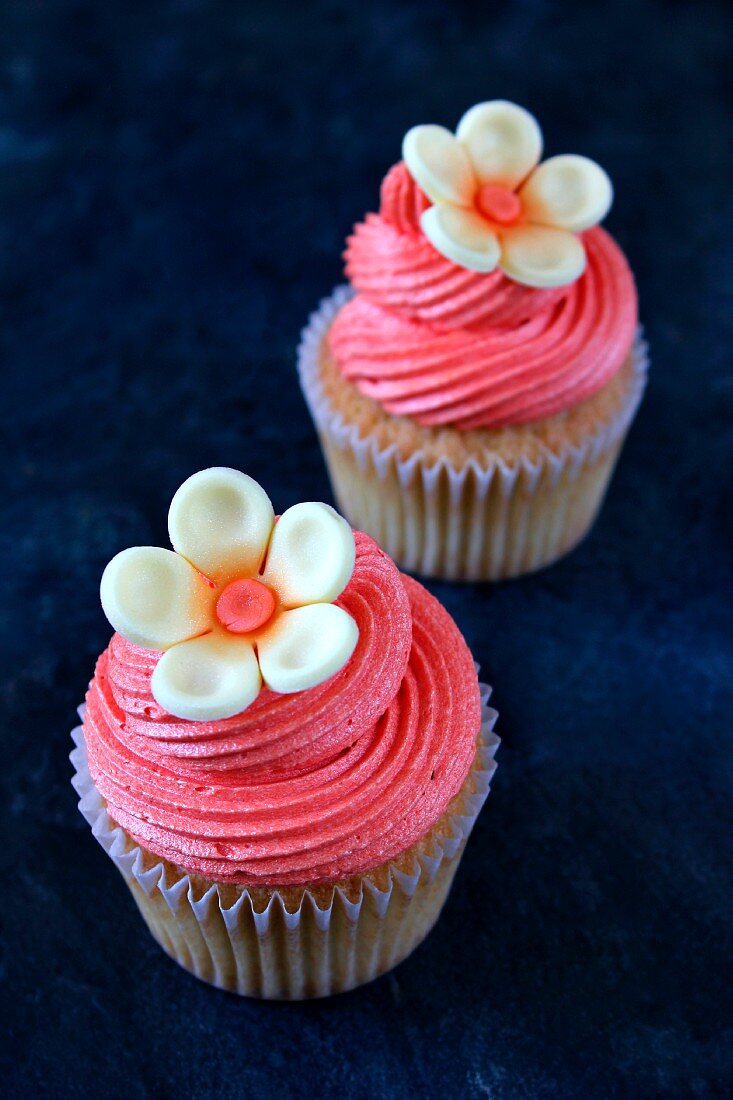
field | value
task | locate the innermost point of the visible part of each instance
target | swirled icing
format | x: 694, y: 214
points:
x: 305, y: 788
x: 447, y: 346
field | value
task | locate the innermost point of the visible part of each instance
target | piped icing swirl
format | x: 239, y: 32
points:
x: 305, y: 788
x: 445, y: 345
x: 392, y: 263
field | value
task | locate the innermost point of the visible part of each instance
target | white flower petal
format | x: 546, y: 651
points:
x: 569, y: 192
x: 439, y: 164
x: 311, y: 555
x: 306, y: 646
x: 155, y: 598
x: 503, y: 141
x: 207, y: 678
x: 221, y: 520
x: 461, y: 235
x: 539, y: 256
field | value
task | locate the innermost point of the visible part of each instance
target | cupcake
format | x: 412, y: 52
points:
x: 473, y: 385
x: 284, y: 747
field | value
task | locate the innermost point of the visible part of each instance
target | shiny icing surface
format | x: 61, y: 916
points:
x: 303, y: 788
x: 429, y: 339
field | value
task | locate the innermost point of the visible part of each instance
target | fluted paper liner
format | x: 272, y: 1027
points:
x: 479, y: 522
x: 258, y: 946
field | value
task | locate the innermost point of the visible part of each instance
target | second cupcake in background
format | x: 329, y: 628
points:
x: 472, y: 388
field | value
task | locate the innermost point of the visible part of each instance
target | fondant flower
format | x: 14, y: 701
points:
x: 243, y: 599
x: 494, y: 204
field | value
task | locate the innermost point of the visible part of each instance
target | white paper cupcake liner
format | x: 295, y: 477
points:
x: 477, y: 522
x: 266, y: 950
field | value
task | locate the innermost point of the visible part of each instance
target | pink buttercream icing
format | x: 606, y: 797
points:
x: 431, y: 340
x: 303, y: 788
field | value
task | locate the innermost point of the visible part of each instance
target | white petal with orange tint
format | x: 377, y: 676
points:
x: 311, y: 555
x: 207, y: 679
x: 570, y: 192
x: 221, y: 520
x: 503, y: 141
x: 462, y: 236
x: 439, y: 164
x: 539, y: 256
x: 306, y: 646
x: 155, y: 598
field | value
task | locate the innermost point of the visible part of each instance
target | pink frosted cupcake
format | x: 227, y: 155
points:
x: 284, y: 747
x: 473, y: 386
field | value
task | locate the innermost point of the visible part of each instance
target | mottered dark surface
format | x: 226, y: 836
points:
x: 176, y: 182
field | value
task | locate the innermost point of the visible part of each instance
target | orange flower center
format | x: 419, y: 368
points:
x: 498, y: 203
x: 245, y: 605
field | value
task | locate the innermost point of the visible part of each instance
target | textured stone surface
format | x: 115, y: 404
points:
x: 176, y: 182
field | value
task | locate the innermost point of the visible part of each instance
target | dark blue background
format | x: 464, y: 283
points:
x: 177, y: 179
